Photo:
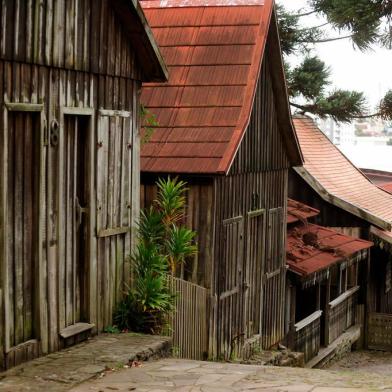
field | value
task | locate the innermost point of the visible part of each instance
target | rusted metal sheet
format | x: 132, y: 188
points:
x: 297, y: 211
x: 312, y: 248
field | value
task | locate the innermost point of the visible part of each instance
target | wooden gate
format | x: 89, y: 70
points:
x: 189, y: 322
x: 379, y: 331
x: 230, y: 275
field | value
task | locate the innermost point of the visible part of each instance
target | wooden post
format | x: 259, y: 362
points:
x: 327, y: 300
x: 291, y: 334
x: 368, y: 306
x: 318, y: 296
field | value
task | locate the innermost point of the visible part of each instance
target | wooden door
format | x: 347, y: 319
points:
x: 253, y: 271
x: 274, y: 277
x: 230, y: 307
x: 22, y: 239
x: 74, y: 266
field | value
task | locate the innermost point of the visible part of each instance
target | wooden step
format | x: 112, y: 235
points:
x: 75, y: 329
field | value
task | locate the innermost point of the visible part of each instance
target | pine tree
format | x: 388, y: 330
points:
x: 365, y: 22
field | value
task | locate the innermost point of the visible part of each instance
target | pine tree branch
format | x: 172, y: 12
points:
x: 307, y: 13
x: 314, y: 27
x: 320, y: 41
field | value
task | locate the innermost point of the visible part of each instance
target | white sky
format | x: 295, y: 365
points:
x: 370, y: 72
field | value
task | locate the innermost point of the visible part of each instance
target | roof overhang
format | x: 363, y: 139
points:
x: 339, y: 202
x: 141, y: 37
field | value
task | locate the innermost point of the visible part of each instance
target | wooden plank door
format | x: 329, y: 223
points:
x: 230, y: 307
x: 22, y: 237
x: 74, y: 277
x: 274, y: 280
x: 253, y: 271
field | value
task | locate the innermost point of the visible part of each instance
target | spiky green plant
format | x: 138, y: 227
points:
x: 164, y: 244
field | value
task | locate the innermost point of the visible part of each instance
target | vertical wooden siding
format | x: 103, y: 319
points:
x: 256, y: 186
x: 262, y: 147
x: 75, y: 34
x: 57, y: 89
x: 263, y: 252
x: 199, y: 217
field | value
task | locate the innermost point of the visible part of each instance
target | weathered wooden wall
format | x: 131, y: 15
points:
x: 82, y: 35
x: 250, y: 233
x: 69, y: 94
x: 199, y: 216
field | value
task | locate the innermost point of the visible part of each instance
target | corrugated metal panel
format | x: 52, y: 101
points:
x: 330, y: 247
x: 214, y: 53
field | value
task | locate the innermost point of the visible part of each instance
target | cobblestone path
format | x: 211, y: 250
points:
x: 192, y: 376
x: 60, y: 371
x: 378, y: 362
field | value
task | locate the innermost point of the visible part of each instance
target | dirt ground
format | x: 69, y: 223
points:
x: 364, y: 361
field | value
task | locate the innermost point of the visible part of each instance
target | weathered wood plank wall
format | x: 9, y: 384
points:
x: 198, y: 217
x: 255, y: 187
x: 69, y: 90
x: 79, y: 35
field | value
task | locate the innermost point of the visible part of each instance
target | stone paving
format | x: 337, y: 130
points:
x: 192, y: 376
x: 63, y: 370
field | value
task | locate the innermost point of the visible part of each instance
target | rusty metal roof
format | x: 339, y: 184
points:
x: 311, y: 248
x: 386, y: 187
x: 337, y: 180
x: 214, y: 51
x: 297, y: 211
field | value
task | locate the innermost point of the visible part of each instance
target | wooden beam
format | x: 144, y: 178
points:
x: 114, y: 113
x: 76, y: 111
x: 113, y: 231
x: 24, y: 107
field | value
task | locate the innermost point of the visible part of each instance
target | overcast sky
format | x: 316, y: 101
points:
x: 370, y: 72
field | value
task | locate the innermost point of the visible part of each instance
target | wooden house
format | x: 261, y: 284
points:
x: 323, y: 282
x: 70, y: 80
x: 350, y: 203
x: 225, y: 128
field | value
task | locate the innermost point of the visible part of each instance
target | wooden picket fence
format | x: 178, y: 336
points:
x: 188, y: 324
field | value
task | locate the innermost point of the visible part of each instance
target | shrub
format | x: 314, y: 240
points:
x: 164, y: 243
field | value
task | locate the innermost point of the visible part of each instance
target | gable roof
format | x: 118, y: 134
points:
x: 214, y: 50
x: 337, y: 180
x: 134, y: 22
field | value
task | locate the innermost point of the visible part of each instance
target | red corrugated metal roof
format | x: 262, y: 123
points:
x: 214, y: 51
x: 297, y: 211
x: 328, y: 247
x: 337, y: 180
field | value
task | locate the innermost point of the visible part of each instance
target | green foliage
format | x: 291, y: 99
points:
x: 164, y: 244
x: 309, y: 79
x: 149, y: 123
x: 365, y: 22
x: 111, y: 329
x: 170, y: 200
x: 341, y: 105
x: 385, y: 108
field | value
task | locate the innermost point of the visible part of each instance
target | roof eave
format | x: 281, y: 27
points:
x: 343, y: 204
x: 142, y: 39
